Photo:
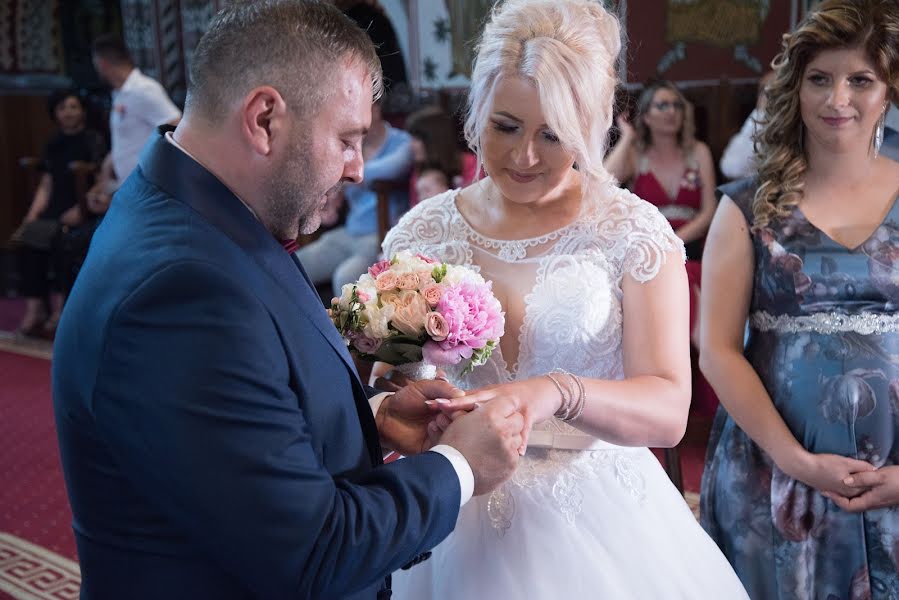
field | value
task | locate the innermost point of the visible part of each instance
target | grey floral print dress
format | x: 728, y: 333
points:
x: 824, y: 339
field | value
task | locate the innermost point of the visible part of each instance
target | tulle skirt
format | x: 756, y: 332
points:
x: 601, y: 524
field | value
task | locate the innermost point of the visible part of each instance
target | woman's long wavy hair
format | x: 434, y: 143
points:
x: 872, y: 25
x: 686, y: 137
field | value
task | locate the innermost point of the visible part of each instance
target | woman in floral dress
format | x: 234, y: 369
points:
x: 801, y: 487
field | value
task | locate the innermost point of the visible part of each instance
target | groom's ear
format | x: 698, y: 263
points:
x: 264, y: 120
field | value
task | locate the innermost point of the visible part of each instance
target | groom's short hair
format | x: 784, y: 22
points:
x: 295, y: 46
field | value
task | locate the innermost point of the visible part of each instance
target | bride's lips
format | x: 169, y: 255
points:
x: 521, y: 177
x: 836, y: 121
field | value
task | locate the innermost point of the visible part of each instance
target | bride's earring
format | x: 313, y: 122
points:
x: 878, y: 133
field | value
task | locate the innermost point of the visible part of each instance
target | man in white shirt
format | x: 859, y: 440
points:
x: 139, y: 104
x: 738, y: 159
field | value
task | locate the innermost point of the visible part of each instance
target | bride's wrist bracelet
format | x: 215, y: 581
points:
x: 565, y: 405
x: 572, y: 407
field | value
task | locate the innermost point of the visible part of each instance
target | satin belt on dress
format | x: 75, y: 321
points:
x: 569, y: 441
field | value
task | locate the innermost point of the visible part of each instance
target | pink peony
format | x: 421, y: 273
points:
x: 378, y: 268
x: 386, y: 281
x: 432, y: 294
x: 436, y: 327
x: 473, y: 317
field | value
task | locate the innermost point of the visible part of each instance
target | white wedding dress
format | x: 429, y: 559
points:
x: 600, y: 522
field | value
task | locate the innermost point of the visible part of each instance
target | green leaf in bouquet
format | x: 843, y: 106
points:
x: 479, y: 357
x: 398, y: 353
x: 439, y: 272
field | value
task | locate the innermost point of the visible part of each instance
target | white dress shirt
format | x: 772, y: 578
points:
x: 738, y: 159
x: 138, y: 107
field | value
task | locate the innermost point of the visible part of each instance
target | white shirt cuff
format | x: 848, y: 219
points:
x: 463, y: 470
x: 376, y: 400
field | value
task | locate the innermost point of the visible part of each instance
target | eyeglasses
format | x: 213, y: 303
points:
x: 666, y: 105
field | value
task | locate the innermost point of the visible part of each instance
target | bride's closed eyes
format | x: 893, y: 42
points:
x: 509, y: 129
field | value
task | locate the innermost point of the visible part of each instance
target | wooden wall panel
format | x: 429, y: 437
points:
x: 25, y: 127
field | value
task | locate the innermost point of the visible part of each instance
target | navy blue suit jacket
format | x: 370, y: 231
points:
x: 215, y: 437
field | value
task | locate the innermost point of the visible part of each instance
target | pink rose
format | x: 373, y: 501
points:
x: 386, y: 281
x: 425, y: 278
x: 365, y: 344
x: 436, y: 326
x: 391, y: 297
x: 410, y: 313
x: 363, y: 297
x: 378, y: 268
x: 408, y: 281
x: 432, y: 294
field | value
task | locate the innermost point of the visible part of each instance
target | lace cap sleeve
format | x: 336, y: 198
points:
x: 648, y: 241
x: 426, y: 225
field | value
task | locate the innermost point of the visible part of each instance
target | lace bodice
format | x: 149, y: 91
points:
x: 561, y: 293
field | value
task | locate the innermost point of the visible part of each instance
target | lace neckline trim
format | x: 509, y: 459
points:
x: 511, y: 249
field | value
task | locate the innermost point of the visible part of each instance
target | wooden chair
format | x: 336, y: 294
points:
x: 383, y: 189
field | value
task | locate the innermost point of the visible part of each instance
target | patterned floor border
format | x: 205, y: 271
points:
x: 29, y: 572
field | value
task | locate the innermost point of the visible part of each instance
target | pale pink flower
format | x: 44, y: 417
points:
x: 365, y: 344
x: 432, y: 294
x: 410, y: 313
x: 378, y: 268
x: 408, y: 281
x: 386, y: 281
x: 427, y: 259
x: 436, y: 327
x: 363, y: 296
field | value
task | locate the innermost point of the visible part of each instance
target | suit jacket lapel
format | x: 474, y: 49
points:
x: 186, y: 180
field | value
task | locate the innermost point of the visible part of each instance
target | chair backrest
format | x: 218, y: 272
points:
x: 383, y: 189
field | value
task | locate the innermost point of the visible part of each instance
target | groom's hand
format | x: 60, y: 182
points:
x: 489, y: 437
x: 403, y: 418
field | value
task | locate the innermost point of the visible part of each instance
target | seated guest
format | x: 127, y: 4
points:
x: 342, y: 254
x: 431, y: 181
x: 663, y: 163
x: 738, y: 159
x: 46, y: 257
x: 435, y: 136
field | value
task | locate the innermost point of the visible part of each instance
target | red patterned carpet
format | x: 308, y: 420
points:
x: 36, y: 543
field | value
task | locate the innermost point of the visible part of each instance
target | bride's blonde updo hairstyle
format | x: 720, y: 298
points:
x: 569, y: 49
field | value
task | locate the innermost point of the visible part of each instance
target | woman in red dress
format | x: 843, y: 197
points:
x: 661, y: 161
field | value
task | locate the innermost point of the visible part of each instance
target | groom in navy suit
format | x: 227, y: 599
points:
x: 215, y: 437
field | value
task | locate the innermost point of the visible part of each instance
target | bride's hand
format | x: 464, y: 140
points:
x: 537, y: 400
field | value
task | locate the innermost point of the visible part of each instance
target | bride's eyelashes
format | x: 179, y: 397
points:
x: 549, y: 136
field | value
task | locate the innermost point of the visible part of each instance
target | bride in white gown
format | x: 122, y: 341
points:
x: 592, y: 282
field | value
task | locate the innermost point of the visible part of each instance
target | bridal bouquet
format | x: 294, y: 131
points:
x: 412, y: 309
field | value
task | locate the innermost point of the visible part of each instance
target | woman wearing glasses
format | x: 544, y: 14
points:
x: 663, y: 163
